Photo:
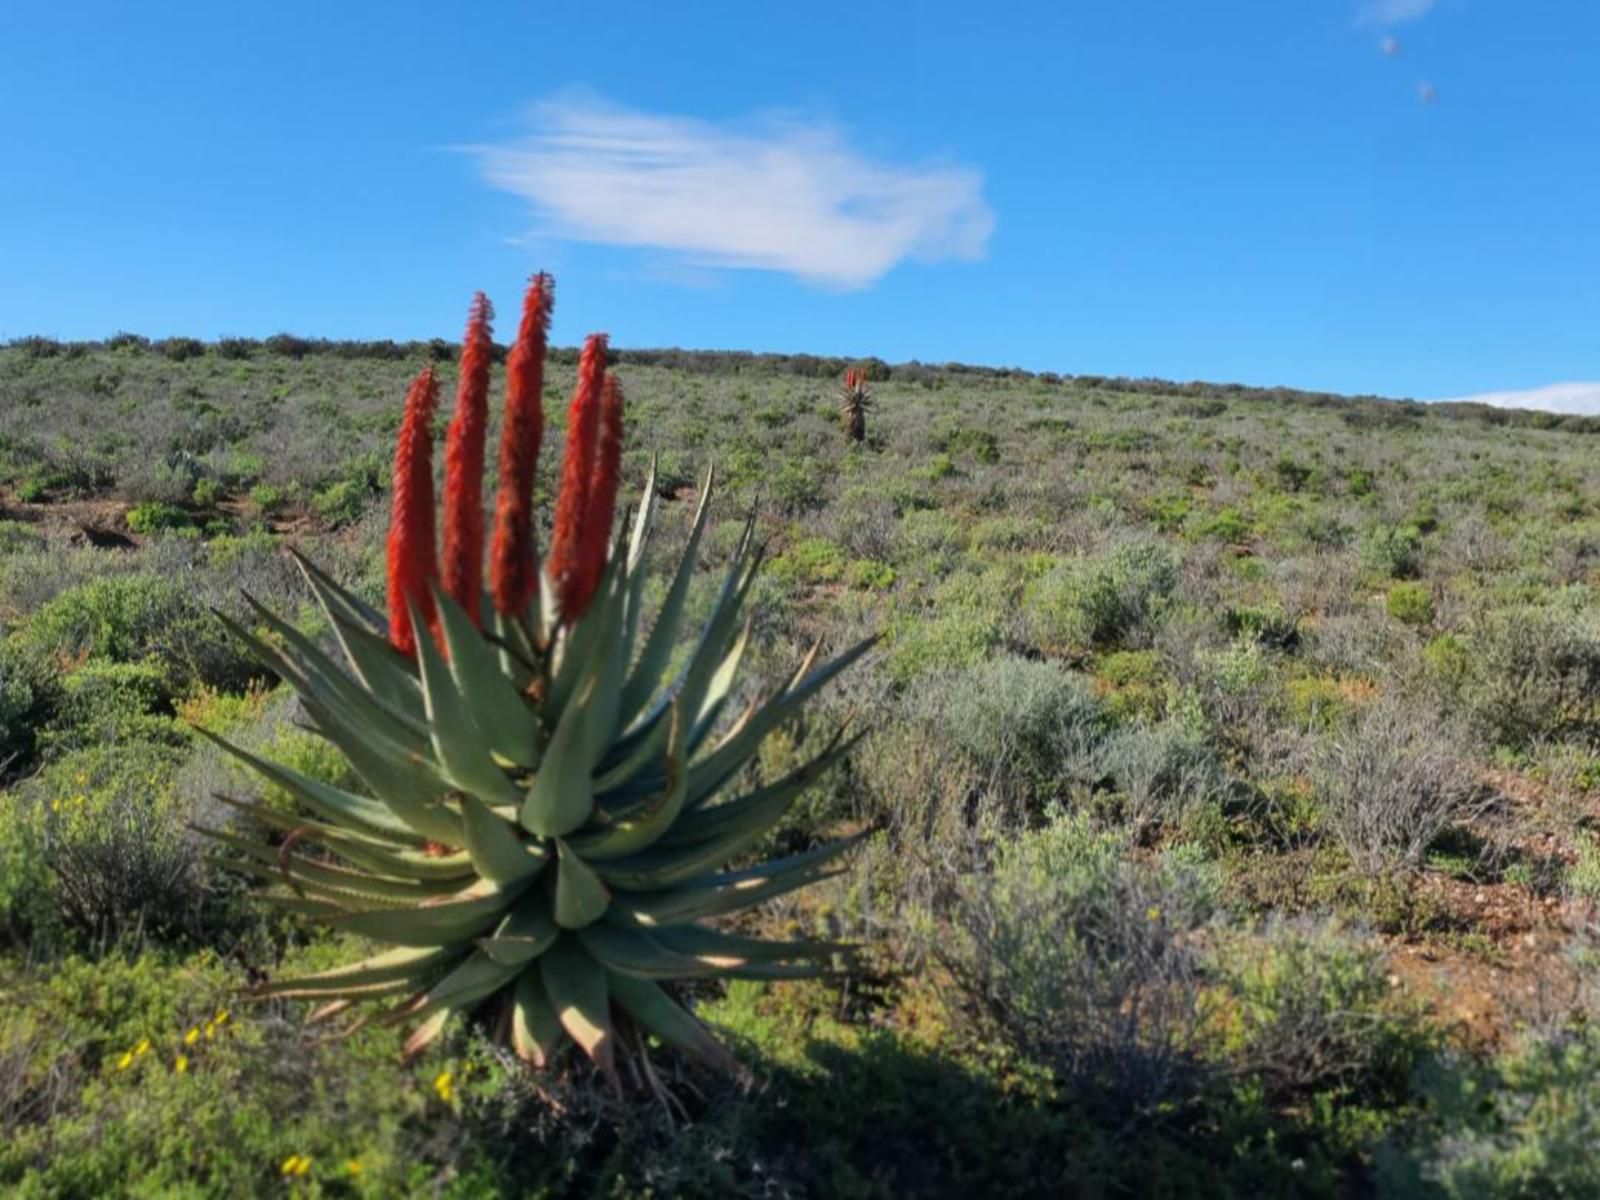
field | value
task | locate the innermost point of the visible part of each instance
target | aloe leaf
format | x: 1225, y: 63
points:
x: 364, y: 715
x: 406, y: 730
x: 581, y: 898
x: 642, y: 828
x: 356, y: 607
x: 468, y: 914
x: 536, y: 1033
x: 380, y: 856
x: 275, y: 864
x: 426, y: 1034
x: 562, y: 795
x: 576, y: 986
x: 741, y: 743
x: 728, y: 951
x: 635, y: 952
x: 405, y: 963
x: 408, y: 785
x: 335, y: 804
x: 494, y: 704
x: 715, y: 895
x: 634, y: 568
x: 460, y: 746
x: 762, y: 808
x: 477, y: 978
x: 363, y: 636
x: 579, y: 648
x: 658, y: 1013
x: 525, y: 934
x: 663, y: 637
x: 497, y: 849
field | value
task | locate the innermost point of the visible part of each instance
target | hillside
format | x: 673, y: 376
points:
x: 1233, y: 767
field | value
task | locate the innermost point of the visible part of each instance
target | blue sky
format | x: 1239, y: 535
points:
x: 1394, y: 196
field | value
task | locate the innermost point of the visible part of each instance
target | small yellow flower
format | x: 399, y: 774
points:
x: 181, y: 1064
x: 352, y: 1166
x: 142, y: 1048
x: 125, y: 1061
x: 192, y: 1036
x: 296, y: 1164
x: 443, y: 1085
x: 1153, y: 913
x: 221, y: 1018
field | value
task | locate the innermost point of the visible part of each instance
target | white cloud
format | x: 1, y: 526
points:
x: 1393, y: 12
x: 772, y: 194
x: 1581, y: 398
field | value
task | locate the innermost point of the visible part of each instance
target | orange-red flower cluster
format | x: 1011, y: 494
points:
x: 585, y: 506
x: 463, y: 464
x: 412, y: 566
x: 513, y: 558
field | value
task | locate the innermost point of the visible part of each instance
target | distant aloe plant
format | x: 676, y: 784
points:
x: 543, y: 822
x: 855, y: 401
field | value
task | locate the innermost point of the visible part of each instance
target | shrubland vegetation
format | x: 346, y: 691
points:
x: 1231, y: 782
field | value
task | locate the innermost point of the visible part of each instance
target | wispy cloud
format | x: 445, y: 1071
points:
x: 773, y: 194
x: 1393, y: 12
x: 1582, y: 398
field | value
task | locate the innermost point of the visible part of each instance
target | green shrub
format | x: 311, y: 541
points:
x: 111, y: 702
x: 1084, y: 961
x: 1393, y: 551
x: 811, y: 560
x: 1228, y: 525
x: 1391, y: 783
x: 918, y: 645
x: 1305, y: 1008
x: 151, y: 1093
x: 105, y: 821
x: 1101, y: 600
x: 1529, y: 675
x: 129, y: 618
x: 1270, y: 626
x: 206, y: 493
x: 30, y: 691
x: 1583, y: 876
x: 868, y: 574
x: 1523, y: 1127
x: 1166, y: 773
x: 342, y: 502
x: 1133, y: 683
x: 153, y: 516
x: 1033, y: 727
x: 1411, y: 603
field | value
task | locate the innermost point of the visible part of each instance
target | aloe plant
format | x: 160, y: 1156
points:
x: 549, y: 809
x: 855, y: 401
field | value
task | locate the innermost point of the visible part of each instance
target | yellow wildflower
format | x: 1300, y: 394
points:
x: 352, y: 1166
x: 125, y: 1061
x: 1153, y: 913
x: 296, y: 1164
x: 142, y: 1048
x: 192, y: 1036
x: 181, y: 1064
x: 443, y: 1086
x: 221, y: 1018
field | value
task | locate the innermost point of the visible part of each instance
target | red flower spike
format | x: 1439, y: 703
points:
x: 411, y: 544
x: 601, y: 509
x: 463, y: 465
x: 513, y: 558
x: 577, y: 470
